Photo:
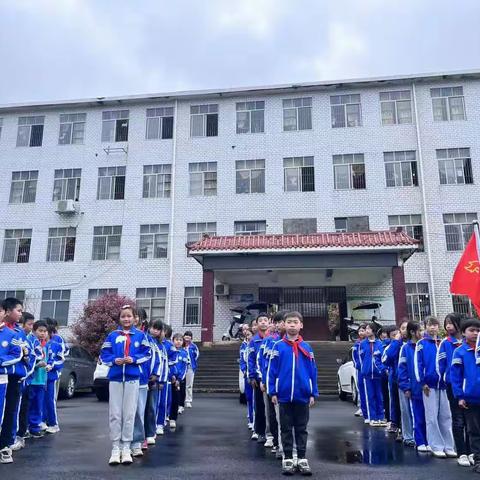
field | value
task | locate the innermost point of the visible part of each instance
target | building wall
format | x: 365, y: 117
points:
x: 178, y: 271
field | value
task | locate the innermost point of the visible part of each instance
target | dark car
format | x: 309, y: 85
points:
x: 77, y: 373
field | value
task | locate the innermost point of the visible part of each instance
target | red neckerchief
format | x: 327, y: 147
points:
x: 11, y: 326
x: 261, y: 335
x: 296, y: 346
x: 472, y: 345
x: 127, y: 341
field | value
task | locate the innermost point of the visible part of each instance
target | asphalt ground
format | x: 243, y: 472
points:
x: 212, y: 442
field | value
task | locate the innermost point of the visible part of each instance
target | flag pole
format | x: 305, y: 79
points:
x: 476, y: 231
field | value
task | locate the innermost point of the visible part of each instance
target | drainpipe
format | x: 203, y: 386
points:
x: 172, y: 219
x: 426, y: 236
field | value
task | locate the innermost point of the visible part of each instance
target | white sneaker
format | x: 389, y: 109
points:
x: 52, y: 430
x: 159, y: 430
x: 126, y: 457
x: 180, y: 410
x: 268, y: 443
x: 451, y: 454
x: 439, y: 454
x: 366, y: 421
x: 422, y: 449
x: 188, y: 405
x: 114, y: 457
x: 6, y: 455
x: 358, y: 413
x: 18, y: 445
x: 250, y: 426
x: 471, y: 459
x: 463, y: 461
x: 254, y: 436
x: 150, y: 440
x: 137, y: 452
x: 173, y: 424
x: 43, y: 426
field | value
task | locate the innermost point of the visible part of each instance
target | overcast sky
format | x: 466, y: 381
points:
x: 63, y: 49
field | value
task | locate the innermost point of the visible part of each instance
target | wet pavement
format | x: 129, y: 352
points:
x: 212, y: 441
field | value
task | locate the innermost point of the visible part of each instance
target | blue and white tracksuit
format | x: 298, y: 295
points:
x: 360, y: 383
x: 372, y: 368
x: 165, y: 397
x: 465, y: 375
x: 437, y: 407
x: 56, y: 352
x: 38, y: 389
x: 247, y: 387
x: 253, y: 373
x: 193, y: 354
x: 390, y: 360
x: 162, y: 380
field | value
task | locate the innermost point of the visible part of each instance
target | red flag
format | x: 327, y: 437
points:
x: 466, y: 279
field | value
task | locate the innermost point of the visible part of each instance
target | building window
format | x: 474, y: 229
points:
x: 250, y: 117
x: 16, y: 245
x: 455, y: 166
x: 346, y: 111
x: 203, y: 178
x: 111, y: 183
x: 351, y: 224
x: 66, y: 185
x: 72, y: 128
x: 154, y: 241
x: 19, y: 294
x: 458, y: 229
x: 157, y: 181
x: 302, y: 226
x: 159, y: 123
x: 153, y: 301
x: 61, y: 244
x: 349, y: 171
x: 30, y: 131
x: 196, y: 231
x: 115, y: 126
x: 106, y: 242
x: 299, y: 174
x: 192, y: 311
x: 396, y: 107
x: 24, y: 187
x: 297, y: 114
x: 250, y: 176
x: 401, y: 168
x: 410, y: 224
x: 96, y: 293
x: 55, y: 304
x: 461, y: 305
x: 258, y: 227
x: 204, y: 120
x: 418, y: 301
x: 448, y: 103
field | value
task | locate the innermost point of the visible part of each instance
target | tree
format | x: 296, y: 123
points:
x: 98, y: 319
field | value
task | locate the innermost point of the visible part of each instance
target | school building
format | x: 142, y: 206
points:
x: 319, y: 197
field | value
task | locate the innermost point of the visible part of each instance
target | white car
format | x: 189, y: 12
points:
x: 347, y: 379
x: 100, y: 381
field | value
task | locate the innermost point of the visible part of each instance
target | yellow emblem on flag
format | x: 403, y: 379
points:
x: 473, y: 266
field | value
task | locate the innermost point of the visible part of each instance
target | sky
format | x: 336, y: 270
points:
x: 67, y: 49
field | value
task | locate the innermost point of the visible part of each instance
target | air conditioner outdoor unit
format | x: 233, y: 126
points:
x: 221, y: 290
x: 66, y: 206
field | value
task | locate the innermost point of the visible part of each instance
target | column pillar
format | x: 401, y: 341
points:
x: 399, y: 294
x: 208, y: 305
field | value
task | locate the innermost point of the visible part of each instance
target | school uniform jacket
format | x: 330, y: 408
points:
x: 427, y: 369
x: 242, y: 358
x: 390, y: 358
x: 10, y: 350
x: 253, y: 370
x: 193, y: 353
x: 178, y: 364
x: 370, y: 354
x: 55, y: 352
x: 292, y: 372
x: 355, y: 355
x: 465, y: 375
x: 445, y: 356
x: 407, y: 381
x: 36, y: 355
x: 21, y: 368
x: 265, y: 353
x: 152, y: 366
x: 120, y: 344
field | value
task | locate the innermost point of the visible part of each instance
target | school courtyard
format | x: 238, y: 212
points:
x: 212, y: 442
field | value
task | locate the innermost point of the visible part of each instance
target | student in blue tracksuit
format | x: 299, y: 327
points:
x: 437, y: 408
x: 243, y: 358
x: 292, y: 382
x: 165, y: 396
x: 193, y: 354
x: 254, y: 377
x: 363, y: 411
x: 370, y: 353
x: 410, y: 388
x: 384, y: 336
x: 10, y: 354
x: 447, y: 348
x: 179, y: 364
x: 465, y: 380
x: 124, y: 351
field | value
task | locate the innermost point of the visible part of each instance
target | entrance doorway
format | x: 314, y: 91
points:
x: 322, y: 308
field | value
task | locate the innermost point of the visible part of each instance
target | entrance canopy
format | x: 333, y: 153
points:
x: 314, y: 260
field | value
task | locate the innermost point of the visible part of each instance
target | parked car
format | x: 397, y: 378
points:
x: 347, y: 379
x: 100, y: 381
x: 77, y: 373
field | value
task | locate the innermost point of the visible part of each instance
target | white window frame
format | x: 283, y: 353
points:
x: 395, y: 97
x: 346, y: 100
x: 398, y: 161
x: 65, y: 181
x: 152, y: 298
x: 242, y: 227
x: 444, y: 97
x: 463, y: 226
x: 23, y: 240
x: 192, y: 297
x: 345, y: 229
x: 456, y: 164
x: 410, y: 224
x: 202, y: 111
x: 196, y: 231
x: 246, y: 109
x: 416, y: 295
x: 350, y: 161
x: 203, y: 170
x: 96, y: 293
x: 110, y: 119
x: 111, y: 174
x: 64, y: 298
x: 110, y: 235
x: 72, y: 124
x: 154, y: 241
x: 154, y: 123
x: 22, y: 177
x: 61, y: 240
x: 297, y: 164
x: 157, y: 180
x: 25, y: 124
x: 248, y: 167
x: 18, y: 294
x: 293, y: 106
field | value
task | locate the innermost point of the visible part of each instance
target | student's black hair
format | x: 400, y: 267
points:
x: 157, y: 325
x: 469, y: 322
x: 52, y: 330
x: 188, y: 333
x: 279, y: 316
x: 455, y: 319
x: 38, y: 324
x: 293, y: 314
x: 177, y: 335
x: 412, y: 328
x: 362, y: 325
x: 263, y: 314
x: 10, y: 303
x: 372, y: 326
x: 52, y: 325
x: 142, y: 314
x: 168, y: 330
x: 26, y: 317
x: 431, y: 320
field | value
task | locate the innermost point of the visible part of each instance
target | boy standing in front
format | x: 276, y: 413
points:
x: 292, y: 383
x: 193, y: 354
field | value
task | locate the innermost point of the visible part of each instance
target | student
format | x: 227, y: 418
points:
x: 193, y: 354
x: 165, y: 396
x: 465, y: 381
x: 292, y: 382
x: 362, y: 411
x: 243, y: 358
x: 10, y: 354
x: 384, y: 337
x: 370, y: 353
x: 260, y: 423
x: 444, y: 360
x: 124, y: 350
x: 178, y: 371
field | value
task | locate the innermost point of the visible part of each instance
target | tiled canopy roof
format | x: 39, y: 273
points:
x: 316, y: 241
